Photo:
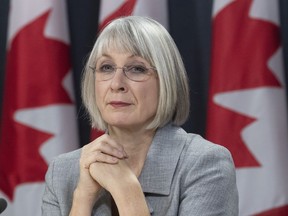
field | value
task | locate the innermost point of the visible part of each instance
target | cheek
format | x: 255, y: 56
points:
x: 151, y: 97
x: 99, y: 95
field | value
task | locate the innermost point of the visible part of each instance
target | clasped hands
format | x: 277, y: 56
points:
x: 103, y: 165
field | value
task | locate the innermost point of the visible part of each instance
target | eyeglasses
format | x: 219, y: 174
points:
x: 137, y: 73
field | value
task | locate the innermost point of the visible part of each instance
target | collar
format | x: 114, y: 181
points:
x: 162, y: 158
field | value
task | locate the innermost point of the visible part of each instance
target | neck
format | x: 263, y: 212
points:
x: 136, y: 144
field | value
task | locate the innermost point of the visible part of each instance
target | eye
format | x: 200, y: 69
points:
x: 136, y: 69
x: 106, y: 68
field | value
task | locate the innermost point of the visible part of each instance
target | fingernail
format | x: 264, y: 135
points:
x: 120, y: 154
x: 114, y: 159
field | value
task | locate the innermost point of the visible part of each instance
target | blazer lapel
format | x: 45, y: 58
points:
x: 162, y: 158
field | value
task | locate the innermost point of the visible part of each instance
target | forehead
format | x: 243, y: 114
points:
x: 123, y: 42
x: 108, y: 45
x: 114, y: 55
x: 113, y: 48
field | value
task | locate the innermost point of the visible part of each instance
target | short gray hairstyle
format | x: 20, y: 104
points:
x: 146, y: 38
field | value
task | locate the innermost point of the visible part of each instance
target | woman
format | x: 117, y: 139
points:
x: 135, y: 88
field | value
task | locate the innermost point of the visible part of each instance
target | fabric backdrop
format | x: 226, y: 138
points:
x: 191, y: 25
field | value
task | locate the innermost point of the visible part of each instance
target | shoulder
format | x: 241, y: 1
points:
x: 197, y: 147
x: 193, y: 145
x: 69, y: 156
x: 173, y: 145
x: 207, y: 169
x: 67, y: 159
x: 62, y: 174
x: 64, y: 165
x: 198, y: 157
x: 202, y: 155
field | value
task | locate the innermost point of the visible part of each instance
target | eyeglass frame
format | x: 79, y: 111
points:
x: 124, y: 70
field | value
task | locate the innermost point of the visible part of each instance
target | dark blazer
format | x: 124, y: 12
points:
x: 183, y: 175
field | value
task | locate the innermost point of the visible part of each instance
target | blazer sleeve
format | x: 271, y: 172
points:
x: 209, y: 185
x: 50, y: 205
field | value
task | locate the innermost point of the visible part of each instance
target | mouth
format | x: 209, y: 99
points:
x: 118, y: 104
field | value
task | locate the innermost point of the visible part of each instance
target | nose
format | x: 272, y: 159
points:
x: 118, y: 80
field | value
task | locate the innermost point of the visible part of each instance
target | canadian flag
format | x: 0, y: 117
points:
x: 38, y: 120
x: 112, y: 9
x: 247, y: 110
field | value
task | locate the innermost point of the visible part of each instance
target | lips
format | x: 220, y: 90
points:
x: 118, y: 104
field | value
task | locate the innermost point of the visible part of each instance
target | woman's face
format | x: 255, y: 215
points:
x: 123, y: 102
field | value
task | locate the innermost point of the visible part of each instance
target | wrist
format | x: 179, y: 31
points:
x: 84, y: 197
x: 130, y: 199
x: 83, y: 203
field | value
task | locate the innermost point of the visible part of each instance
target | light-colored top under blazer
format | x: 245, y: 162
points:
x: 183, y: 175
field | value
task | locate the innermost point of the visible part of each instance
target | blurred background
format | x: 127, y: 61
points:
x: 236, y: 56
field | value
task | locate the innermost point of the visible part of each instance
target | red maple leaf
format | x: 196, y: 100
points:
x: 241, y: 49
x: 279, y: 211
x: 36, y: 67
x: 124, y: 10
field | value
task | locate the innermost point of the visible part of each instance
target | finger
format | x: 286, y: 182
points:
x: 109, y: 146
x: 104, y: 148
x: 104, y: 158
x: 93, y: 157
x: 107, y: 138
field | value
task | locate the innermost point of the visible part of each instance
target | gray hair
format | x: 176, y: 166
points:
x: 146, y: 38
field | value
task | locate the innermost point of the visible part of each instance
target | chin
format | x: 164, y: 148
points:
x: 119, y: 120
x: 121, y: 124
x: 124, y: 124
